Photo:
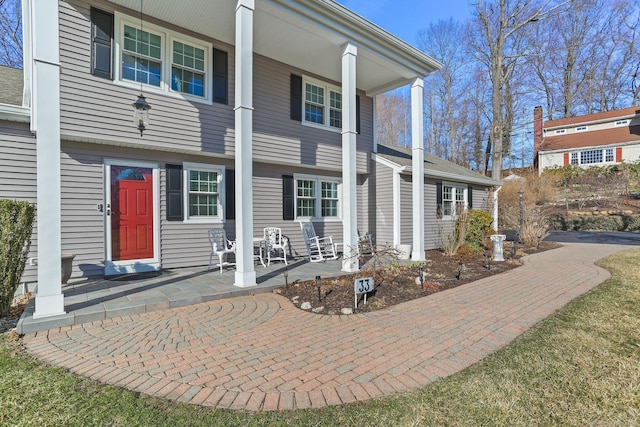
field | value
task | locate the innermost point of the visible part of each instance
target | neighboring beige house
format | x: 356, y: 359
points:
x: 262, y: 114
x: 593, y: 140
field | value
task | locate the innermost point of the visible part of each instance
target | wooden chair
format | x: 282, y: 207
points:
x: 220, y: 246
x: 318, y: 248
x: 275, y: 243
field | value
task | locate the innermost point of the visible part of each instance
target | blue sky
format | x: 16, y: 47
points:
x: 404, y: 18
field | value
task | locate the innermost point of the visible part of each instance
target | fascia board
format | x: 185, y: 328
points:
x: 388, y: 163
x: 588, y: 147
x: 15, y: 113
x: 455, y: 177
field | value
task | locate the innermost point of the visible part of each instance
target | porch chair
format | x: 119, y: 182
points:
x: 275, y: 242
x: 365, y: 244
x: 220, y: 246
x: 318, y: 248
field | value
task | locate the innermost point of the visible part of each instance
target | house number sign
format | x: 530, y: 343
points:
x: 362, y: 285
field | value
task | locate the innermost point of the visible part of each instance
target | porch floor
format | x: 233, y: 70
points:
x: 88, y: 300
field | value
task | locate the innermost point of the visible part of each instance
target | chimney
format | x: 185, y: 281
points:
x: 537, y: 127
x: 537, y: 133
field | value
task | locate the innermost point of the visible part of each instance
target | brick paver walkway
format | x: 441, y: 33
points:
x: 261, y: 353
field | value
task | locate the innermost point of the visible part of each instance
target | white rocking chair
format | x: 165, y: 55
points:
x: 318, y: 248
x: 220, y: 246
x: 275, y: 242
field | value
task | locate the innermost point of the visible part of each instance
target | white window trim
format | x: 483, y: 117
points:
x: 455, y: 186
x: 168, y: 37
x: 622, y: 122
x: 582, y: 128
x: 327, y: 103
x: 318, y: 216
x: 188, y: 166
x: 560, y: 131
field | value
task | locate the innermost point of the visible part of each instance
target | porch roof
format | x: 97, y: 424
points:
x: 434, y: 166
x: 306, y: 34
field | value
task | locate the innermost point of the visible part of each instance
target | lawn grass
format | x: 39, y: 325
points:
x: 579, y: 367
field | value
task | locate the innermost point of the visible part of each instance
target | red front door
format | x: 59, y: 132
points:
x: 131, y: 213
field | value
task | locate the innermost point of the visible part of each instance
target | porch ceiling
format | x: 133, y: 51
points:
x: 307, y: 34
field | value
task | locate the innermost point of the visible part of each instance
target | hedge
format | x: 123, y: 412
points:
x: 597, y: 223
x: 16, y: 225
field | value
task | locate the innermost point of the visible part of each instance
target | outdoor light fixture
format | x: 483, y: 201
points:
x: 318, y: 286
x: 141, y: 107
x: 141, y: 113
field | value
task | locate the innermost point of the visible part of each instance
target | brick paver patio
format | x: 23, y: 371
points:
x: 260, y: 353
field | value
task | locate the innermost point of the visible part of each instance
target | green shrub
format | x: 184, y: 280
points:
x: 479, y: 225
x: 632, y: 223
x: 16, y: 224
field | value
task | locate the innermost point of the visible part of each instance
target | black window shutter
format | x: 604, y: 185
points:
x: 439, y: 199
x: 296, y: 97
x: 174, y: 193
x: 470, y: 196
x: 101, y: 43
x: 288, y: 202
x: 357, y: 114
x: 220, y: 77
x: 230, y: 193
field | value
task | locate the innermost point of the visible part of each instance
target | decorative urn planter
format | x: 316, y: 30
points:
x: 67, y: 267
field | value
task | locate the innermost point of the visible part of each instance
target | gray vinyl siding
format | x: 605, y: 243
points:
x: 382, y: 190
x: 431, y: 231
x: 93, y: 107
x: 267, y: 208
x: 406, y: 209
x: 480, y: 201
x: 18, y: 175
x: 98, y: 108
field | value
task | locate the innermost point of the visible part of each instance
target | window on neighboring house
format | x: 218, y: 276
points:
x: 204, y: 192
x: 559, y: 131
x: 574, y: 158
x: 454, y: 199
x: 322, y: 105
x: 590, y: 157
x: 608, y: 157
x: 317, y: 197
x: 622, y: 122
x: 166, y: 61
x: 581, y: 128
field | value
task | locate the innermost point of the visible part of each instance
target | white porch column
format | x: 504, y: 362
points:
x: 46, y: 124
x: 245, y: 274
x: 417, y: 164
x: 349, y: 176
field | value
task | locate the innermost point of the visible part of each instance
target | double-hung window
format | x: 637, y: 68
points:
x: 204, y: 192
x: 322, y: 105
x: 141, y: 56
x: 165, y: 61
x: 454, y: 199
x: 317, y: 197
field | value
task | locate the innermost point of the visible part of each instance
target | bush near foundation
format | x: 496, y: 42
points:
x: 16, y: 225
x: 479, y: 226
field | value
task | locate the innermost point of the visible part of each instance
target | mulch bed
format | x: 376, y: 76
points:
x: 396, y: 284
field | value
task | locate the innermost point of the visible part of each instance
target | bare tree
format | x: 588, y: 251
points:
x: 499, y: 24
x: 11, y: 33
x: 392, y: 122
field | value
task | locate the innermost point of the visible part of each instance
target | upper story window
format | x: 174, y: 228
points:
x: 141, y: 56
x: 165, y: 61
x: 317, y: 197
x: 322, y: 105
x: 581, y: 128
x: 560, y: 131
x: 622, y: 122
